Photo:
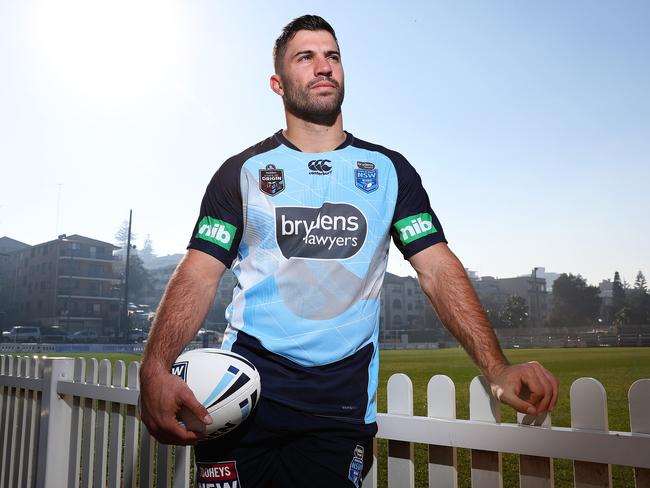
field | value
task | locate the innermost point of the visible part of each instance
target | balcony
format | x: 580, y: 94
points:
x: 85, y: 294
x: 89, y: 275
x: 86, y: 255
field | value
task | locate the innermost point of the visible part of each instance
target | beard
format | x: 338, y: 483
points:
x: 318, y: 109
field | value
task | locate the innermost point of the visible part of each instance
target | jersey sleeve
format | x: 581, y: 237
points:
x: 415, y: 226
x: 218, y: 229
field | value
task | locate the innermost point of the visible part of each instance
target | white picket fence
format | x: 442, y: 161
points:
x: 67, y: 423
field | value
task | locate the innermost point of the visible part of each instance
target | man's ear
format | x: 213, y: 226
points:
x: 276, y: 85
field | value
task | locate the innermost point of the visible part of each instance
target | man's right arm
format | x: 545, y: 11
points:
x: 184, y: 306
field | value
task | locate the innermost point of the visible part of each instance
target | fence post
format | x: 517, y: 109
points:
x: 589, y: 411
x: 54, y: 429
x: 535, y: 471
x: 441, y: 403
x: 401, y: 470
x: 76, y: 425
x: 639, y: 398
x: 486, y: 465
x: 88, y: 426
x: 181, y: 467
x: 117, y: 425
x: 32, y: 412
x: 102, y: 416
x: 132, y: 434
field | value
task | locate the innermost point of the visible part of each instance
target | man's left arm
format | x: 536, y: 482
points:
x: 444, y: 280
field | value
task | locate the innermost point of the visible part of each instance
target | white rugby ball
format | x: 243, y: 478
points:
x: 226, y: 384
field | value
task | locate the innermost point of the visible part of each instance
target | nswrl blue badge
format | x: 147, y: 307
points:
x: 366, y: 179
x: 356, y: 466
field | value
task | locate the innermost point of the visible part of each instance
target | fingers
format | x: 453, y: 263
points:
x: 200, y: 412
x: 528, y: 388
x: 161, y: 399
x: 509, y: 398
x: 173, y: 433
x: 555, y: 387
x: 541, y: 389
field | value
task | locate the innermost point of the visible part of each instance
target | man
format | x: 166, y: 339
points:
x: 304, y: 219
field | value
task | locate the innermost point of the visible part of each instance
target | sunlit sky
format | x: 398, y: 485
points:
x: 528, y: 121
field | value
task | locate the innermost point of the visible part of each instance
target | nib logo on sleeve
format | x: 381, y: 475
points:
x: 412, y: 228
x: 217, y: 232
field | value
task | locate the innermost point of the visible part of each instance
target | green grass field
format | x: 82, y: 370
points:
x: 615, y: 368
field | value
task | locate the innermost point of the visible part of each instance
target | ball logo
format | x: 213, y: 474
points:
x: 180, y: 370
x: 333, y: 231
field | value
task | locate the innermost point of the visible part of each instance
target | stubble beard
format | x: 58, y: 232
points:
x: 318, y: 109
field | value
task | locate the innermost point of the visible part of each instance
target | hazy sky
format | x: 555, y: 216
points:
x: 528, y: 121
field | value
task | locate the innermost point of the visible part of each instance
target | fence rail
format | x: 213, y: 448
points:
x: 72, y: 423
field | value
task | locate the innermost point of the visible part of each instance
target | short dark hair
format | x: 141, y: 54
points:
x: 306, y: 22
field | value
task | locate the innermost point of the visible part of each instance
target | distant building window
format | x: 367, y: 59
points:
x: 409, y: 292
x: 409, y: 306
x: 97, y: 307
x: 397, y: 303
x: 39, y: 305
x: 33, y: 253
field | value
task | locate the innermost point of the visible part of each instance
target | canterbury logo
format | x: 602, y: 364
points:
x: 320, y: 166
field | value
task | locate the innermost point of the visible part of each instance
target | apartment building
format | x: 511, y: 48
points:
x: 71, y: 281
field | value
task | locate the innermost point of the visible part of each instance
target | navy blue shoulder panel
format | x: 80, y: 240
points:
x: 219, y: 227
x: 415, y: 226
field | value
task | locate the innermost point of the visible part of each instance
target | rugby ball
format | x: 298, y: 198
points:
x: 226, y: 384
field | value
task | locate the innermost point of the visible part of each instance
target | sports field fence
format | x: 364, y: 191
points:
x: 68, y: 423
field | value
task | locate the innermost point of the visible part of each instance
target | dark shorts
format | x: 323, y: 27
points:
x: 281, y: 447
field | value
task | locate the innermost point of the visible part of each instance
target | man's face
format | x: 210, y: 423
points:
x: 311, y: 78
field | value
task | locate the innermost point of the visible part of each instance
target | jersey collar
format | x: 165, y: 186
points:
x: 283, y: 140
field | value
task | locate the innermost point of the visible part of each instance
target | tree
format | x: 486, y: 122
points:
x: 147, y: 253
x: 139, y: 280
x: 122, y: 235
x: 576, y: 304
x: 639, y: 301
x: 515, y: 313
x: 618, y: 294
x: 640, y: 283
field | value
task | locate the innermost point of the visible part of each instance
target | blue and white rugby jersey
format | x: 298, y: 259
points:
x: 307, y: 236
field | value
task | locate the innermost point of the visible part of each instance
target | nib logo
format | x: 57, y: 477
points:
x: 412, y: 228
x: 217, y: 232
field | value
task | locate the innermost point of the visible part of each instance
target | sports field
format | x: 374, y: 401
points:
x: 615, y: 368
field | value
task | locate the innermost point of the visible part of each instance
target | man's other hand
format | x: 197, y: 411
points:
x: 528, y: 388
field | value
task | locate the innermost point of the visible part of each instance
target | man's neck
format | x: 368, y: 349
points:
x: 314, y: 138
